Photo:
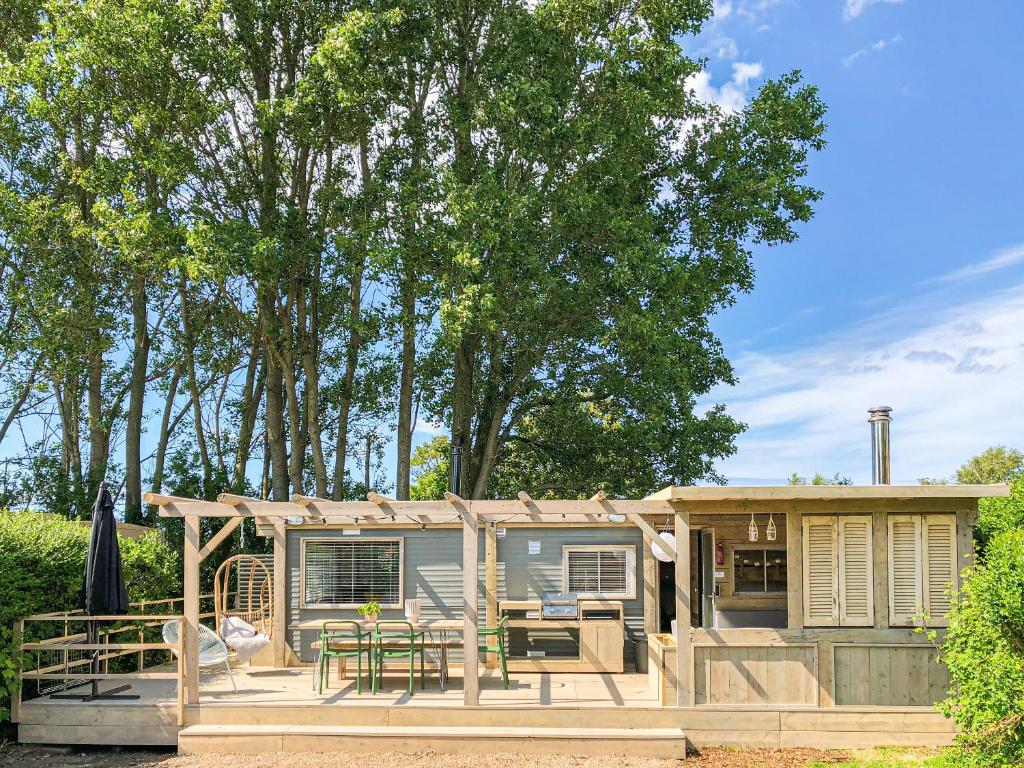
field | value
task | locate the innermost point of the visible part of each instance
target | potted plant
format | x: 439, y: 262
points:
x: 370, y: 611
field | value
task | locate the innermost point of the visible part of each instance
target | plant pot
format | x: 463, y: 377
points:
x: 371, y: 618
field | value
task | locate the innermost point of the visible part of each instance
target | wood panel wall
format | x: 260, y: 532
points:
x: 755, y: 674
x: 888, y: 675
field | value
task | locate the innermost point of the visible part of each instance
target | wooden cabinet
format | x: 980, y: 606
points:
x: 600, y: 630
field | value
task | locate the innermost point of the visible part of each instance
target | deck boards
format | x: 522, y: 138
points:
x: 283, y: 698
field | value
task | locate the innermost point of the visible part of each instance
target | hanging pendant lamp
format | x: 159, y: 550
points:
x: 752, y: 530
x: 770, y: 533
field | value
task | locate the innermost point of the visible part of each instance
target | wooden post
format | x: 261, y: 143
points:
x: 684, y: 643
x: 470, y: 596
x: 181, y: 680
x: 280, y: 613
x: 191, y: 623
x: 491, y: 586
x: 16, y: 637
x: 880, y: 564
x: 651, y: 607
x: 794, y: 571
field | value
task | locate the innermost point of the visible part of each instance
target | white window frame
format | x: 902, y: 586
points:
x: 629, y: 549
x: 351, y: 540
x: 773, y: 547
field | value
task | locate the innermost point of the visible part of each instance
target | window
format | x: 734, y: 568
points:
x: 838, y: 576
x: 600, y: 571
x: 758, y: 571
x: 922, y: 568
x: 345, y: 573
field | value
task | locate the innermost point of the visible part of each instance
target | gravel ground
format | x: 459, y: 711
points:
x: 14, y: 756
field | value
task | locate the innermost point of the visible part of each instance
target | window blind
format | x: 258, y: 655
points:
x: 352, y: 572
x: 598, y: 571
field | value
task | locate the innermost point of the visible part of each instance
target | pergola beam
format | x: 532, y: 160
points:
x: 652, y: 534
x: 219, y: 536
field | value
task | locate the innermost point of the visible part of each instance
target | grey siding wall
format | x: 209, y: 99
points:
x: 528, y: 577
x: 432, y: 572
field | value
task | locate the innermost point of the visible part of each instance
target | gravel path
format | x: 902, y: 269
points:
x: 13, y: 756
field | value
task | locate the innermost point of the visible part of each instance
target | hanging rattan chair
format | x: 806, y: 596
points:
x: 243, y: 587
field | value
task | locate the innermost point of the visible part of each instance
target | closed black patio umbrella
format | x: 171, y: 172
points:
x: 103, y: 591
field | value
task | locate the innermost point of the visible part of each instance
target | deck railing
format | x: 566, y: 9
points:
x: 63, y: 661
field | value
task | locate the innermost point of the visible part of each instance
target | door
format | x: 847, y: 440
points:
x: 707, y: 562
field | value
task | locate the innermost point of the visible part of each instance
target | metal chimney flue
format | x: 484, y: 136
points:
x: 879, y: 418
x: 456, y: 470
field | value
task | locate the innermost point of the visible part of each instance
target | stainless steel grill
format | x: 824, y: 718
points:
x: 560, y: 605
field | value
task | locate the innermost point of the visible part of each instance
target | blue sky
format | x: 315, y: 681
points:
x: 907, y: 287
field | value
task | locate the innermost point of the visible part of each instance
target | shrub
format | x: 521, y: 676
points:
x: 984, y: 650
x: 42, y: 558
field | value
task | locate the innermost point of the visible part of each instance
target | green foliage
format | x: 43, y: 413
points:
x: 984, y: 651
x: 431, y: 470
x: 371, y: 608
x: 42, y: 558
x: 819, y: 479
x: 998, y: 464
x: 998, y: 515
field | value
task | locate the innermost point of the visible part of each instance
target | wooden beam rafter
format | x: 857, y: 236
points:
x: 219, y: 536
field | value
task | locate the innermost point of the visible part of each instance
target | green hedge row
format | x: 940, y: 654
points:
x: 41, y: 562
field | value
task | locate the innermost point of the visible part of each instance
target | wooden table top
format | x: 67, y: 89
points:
x: 423, y: 625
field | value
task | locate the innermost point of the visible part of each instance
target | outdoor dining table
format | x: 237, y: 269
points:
x: 441, y: 627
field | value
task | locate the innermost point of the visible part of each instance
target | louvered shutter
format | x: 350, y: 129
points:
x: 856, y: 579
x: 938, y: 538
x: 821, y: 572
x: 905, y: 577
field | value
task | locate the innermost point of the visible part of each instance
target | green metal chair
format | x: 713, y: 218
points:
x: 499, y: 633
x: 335, y: 643
x: 394, y: 639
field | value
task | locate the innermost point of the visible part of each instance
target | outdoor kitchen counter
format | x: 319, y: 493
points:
x: 601, y: 636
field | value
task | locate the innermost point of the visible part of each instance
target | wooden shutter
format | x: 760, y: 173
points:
x: 821, y: 572
x: 938, y: 539
x: 905, y: 576
x: 856, y: 577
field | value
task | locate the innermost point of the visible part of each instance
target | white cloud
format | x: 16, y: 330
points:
x: 732, y: 95
x: 1007, y: 257
x: 952, y: 373
x: 878, y: 45
x: 854, y: 8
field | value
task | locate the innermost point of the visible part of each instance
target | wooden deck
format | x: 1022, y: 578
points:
x: 277, y: 709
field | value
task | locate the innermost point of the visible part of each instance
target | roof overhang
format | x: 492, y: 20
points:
x: 812, y: 493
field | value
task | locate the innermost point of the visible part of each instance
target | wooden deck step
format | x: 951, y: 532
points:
x: 249, y: 739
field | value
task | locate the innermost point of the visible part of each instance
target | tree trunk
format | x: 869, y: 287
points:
x: 99, y: 434
x: 136, y: 402
x: 355, y: 339
x: 189, y: 342
x: 252, y: 394
x: 462, y: 404
x: 274, y: 416
x: 166, y: 429
x: 19, y: 403
x: 405, y: 394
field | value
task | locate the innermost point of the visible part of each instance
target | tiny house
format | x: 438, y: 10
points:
x: 771, y: 616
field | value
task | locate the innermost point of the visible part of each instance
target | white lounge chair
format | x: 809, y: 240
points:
x: 212, y: 650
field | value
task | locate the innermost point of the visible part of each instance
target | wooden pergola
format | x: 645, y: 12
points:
x: 381, y: 511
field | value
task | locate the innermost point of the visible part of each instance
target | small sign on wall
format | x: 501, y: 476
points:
x: 350, y: 532
x: 534, y: 548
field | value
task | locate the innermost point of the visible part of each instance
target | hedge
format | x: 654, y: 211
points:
x: 42, y: 558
